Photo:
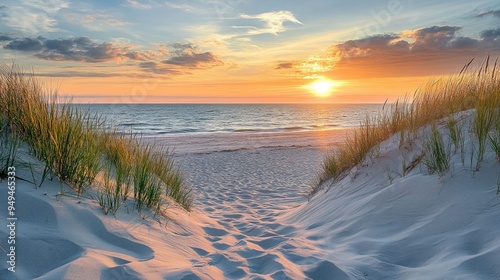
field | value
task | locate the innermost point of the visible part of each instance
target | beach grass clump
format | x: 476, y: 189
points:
x: 9, y: 143
x: 58, y: 134
x: 117, y: 149
x: 109, y: 193
x: 147, y: 186
x: 356, y: 146
x: 455, y: 132
x: 436, y: 100
x: 77, y: 148
x: 437, y: 154
x: 484, y: 120
x: 172, y: 178
x: 74, y: 154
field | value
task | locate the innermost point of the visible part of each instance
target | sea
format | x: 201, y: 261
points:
x: 202, y: 128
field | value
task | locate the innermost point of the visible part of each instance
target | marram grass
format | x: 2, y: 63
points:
x: 437, y: 154
x: 9, y: 143
x: 76, y: 148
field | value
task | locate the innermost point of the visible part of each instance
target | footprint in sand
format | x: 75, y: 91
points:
x: 120, y: 273
x: 265, y: 264
x: 231, y: 268
x: 200, y: 251
x: 214, y: 231
x: 326, y: 270
x: 221, y: 246
x: 269, y: 243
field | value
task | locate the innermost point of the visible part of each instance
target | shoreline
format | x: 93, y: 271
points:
x: 183, y: 144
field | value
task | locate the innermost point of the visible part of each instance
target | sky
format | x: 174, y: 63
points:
x: 245, y: 51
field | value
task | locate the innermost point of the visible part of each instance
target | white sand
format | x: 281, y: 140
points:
x: 251, y: 220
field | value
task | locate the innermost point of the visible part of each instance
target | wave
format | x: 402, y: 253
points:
x: 134, y: 124
x: 268, y: 147
x: 287, y: 128
x: 149, y: 130
x: 325, y: 125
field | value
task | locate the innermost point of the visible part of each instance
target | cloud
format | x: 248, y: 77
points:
x: 313, y: 66
x: 491, y: 35
x: 93, y: 74
x: 183, y: 7
x: 495, y: 13
x: 34, y: 16
x: 81, y: 74
x: 463, y: 43
x: 183, y: 57
x: 434, y: 37
x: 94, y: 21
x: 140, y: 5
x: 2, y: 15
x: 81, y: 49
x: 431, y: 50
x: 5, y: 38
x: 273, y: 22
x: 285, y: 65
x: 159, y: 68
x: 223, y: 7
x: 25, y: 45
x: 186, y: 55
x: 244, y: 39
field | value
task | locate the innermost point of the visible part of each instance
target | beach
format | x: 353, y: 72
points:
x: 252, y: 218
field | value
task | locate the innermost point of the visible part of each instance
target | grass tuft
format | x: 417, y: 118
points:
x: 9, y: 143
x: 483, y: 122
x: 436, y: 154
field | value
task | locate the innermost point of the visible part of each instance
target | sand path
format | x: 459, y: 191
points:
x: 245, y: 192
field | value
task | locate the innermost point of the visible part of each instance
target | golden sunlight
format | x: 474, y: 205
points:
x: 322, y: 87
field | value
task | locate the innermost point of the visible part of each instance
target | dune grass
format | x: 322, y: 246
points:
x: 479, y: 90
x: 76, y: 148
x: 117, y: 177
x: 437, y: 154
x: 484, y: 119
x: 9, y: 143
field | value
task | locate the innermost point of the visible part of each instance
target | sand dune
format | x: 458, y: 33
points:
x: 418, y: 226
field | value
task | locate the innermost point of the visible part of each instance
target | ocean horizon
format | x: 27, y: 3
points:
x: 153, y: 120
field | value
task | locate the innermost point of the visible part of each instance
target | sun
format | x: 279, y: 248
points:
x: 322, y: 87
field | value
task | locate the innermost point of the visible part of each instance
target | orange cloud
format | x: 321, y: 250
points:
x: 421, y: 52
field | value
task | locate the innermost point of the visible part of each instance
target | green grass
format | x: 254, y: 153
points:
x: 440, y: 98
x: 437, y: 154
x: 109, y: 193
x: 116, y: 182
x: 455, y: 131
x: 147, y: 186
x: 77, y: 148
x: 484, y: 119
x: 9, y: 143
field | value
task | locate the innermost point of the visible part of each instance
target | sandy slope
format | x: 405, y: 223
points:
x: 377, y: 224
x: 251, y: 220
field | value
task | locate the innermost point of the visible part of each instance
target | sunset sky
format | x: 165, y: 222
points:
x: 245, y: 51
